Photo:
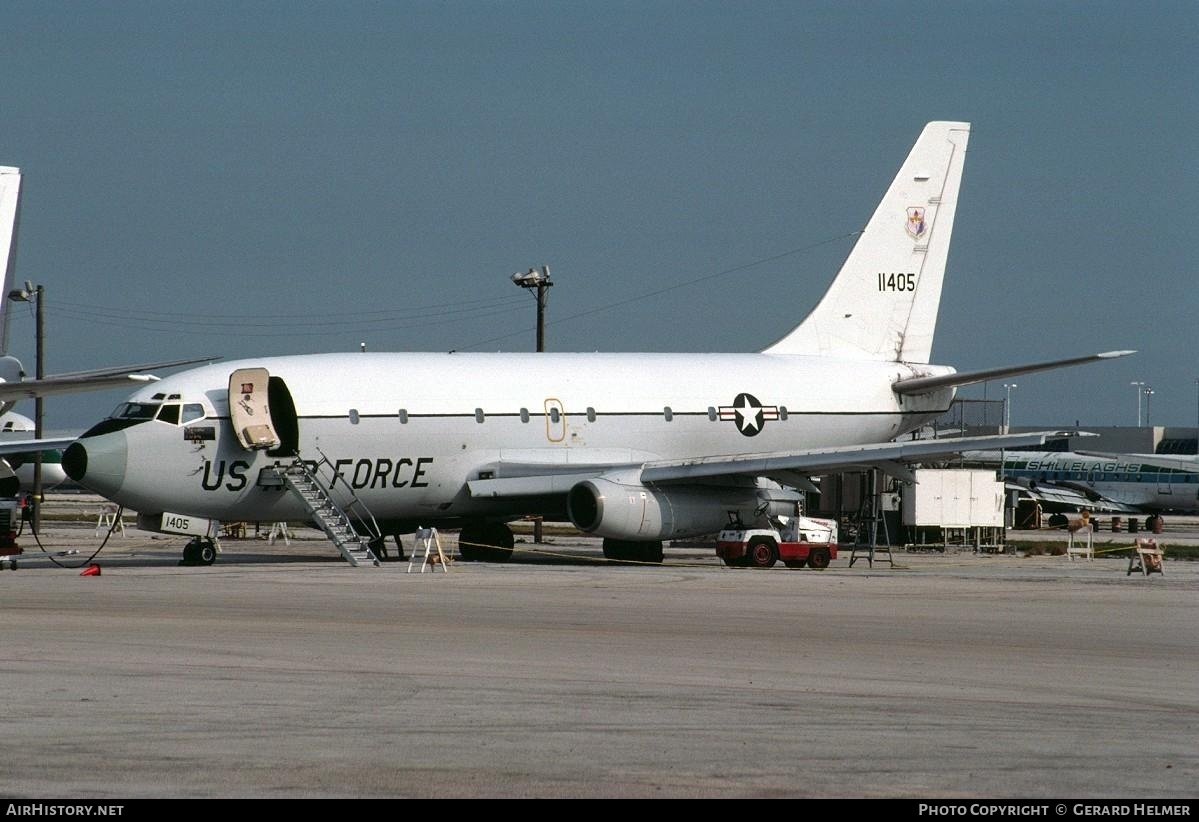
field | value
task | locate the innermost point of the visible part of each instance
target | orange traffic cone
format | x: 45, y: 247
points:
x: 92, y: 570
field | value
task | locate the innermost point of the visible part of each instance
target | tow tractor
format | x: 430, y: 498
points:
x: 798, y: 541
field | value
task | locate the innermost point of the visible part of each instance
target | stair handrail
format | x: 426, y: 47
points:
x: 355, y: 504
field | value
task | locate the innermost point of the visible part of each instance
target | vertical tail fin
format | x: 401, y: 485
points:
x: 883, y: 303
x: 10, y: 196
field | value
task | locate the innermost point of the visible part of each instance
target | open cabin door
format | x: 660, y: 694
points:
x: 250, y: 410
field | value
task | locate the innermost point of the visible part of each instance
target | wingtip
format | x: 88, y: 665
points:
x: 1111, y: 355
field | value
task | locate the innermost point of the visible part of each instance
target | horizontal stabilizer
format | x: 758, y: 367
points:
x: 924, y: 385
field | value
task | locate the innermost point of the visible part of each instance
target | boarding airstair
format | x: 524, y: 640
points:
x: 332, y: 518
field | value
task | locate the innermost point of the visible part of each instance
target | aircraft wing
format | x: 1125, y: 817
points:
x: 540, y: 472
x: 1058, y: 494
x: 88, y: 380
x: 538, y: 485
x: 887, y: 456
x: 1044, y: 492
x: 33, y: 446
x: 526, y: 477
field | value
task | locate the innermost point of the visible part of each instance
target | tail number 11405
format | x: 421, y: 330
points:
x: 896, y: 282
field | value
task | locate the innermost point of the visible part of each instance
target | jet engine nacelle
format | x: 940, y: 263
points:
x: 628, y: 510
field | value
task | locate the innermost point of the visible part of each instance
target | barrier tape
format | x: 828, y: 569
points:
x: 116, y: 523
x: 600, y: 558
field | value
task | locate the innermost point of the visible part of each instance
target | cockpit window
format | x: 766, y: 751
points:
x: 127, y: 414
x: 136, y: 411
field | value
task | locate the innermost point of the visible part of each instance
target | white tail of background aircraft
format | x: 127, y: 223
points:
x: 10, y: 210
x: 13, y: 383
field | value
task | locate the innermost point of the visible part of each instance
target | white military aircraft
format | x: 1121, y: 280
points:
x: 13, y: 384
x: 635, y: 448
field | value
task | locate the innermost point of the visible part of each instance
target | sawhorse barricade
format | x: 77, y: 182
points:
x: 428, y: 540
x: 1146, y: 557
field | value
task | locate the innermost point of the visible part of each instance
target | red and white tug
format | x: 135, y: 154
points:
x: 798, y: 541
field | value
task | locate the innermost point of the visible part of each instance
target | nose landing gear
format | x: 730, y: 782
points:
x: 200, y: 551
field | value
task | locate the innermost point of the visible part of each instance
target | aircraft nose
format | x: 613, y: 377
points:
x: 98, y: 465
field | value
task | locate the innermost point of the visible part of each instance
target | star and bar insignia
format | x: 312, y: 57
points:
x: 749, y: 414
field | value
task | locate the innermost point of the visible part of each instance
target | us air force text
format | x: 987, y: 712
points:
x: 381, y: 472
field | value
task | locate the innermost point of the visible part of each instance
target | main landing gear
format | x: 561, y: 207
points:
x: 200, y: 551
x: 486, y: 542
x: 379, y: 549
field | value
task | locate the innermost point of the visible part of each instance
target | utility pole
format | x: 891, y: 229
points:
x: 542, y: 291
x: 37, y: 410
x: 24, y: 295
x: 1139, y: 386
x: 1007, y: 407
x: 539, y: 280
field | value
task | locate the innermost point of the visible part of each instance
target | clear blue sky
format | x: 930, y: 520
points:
x: 245, y: 179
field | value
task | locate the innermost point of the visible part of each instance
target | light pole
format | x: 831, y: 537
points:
x: 1007, y: 407
x: 541, y: 281
x: 1148, y: 396
x: 37, y: 295
x: 1139, y: 387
